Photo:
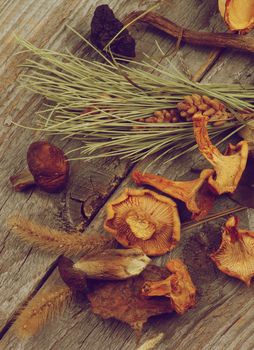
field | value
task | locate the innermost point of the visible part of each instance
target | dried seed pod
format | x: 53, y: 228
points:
x: 195, y: 193
x: 144, y: 219
x: 48, y: 168
x: 178, y: 287
x: 235, y: 256
x: 163, y: 116
x: 111, y: 264
x: 229, y: 167
x: 238, y: 14
x: 123, y: 299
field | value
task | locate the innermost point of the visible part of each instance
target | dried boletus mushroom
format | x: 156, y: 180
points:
x: 144, y: 219
x: 235, y: 256
x: 48, y: 168
x: 178, y: 287
x: 229, y: 167
x: 111, y: 264
x: 124, y: 301
x: 238, y: 14
x: 195, y: 193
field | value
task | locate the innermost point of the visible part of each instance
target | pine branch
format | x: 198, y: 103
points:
x: 41, y: 309
x: 58, y: 242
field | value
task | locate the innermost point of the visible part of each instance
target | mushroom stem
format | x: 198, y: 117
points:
x: 22, y: 181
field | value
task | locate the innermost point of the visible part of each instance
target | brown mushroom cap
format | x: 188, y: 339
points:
x: 144, y: 219
x: 48, y: 165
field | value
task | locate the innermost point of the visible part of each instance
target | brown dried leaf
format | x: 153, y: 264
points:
x: 144, y: 219
x: 235, y: 256
x: 229, y: 167
x: 178, y: 287
x: 195, y: 193
x: 123, y: 299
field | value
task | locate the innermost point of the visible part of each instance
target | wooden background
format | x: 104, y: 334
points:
x: 224, y: 315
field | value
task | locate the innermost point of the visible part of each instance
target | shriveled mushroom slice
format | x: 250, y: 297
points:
x: 124, y: 301
x: 235, y: 256
x: 195, y: 193
x: 178, y: 287
x: 229, y: 167
x: 238, y: 14
x: 144, y: 219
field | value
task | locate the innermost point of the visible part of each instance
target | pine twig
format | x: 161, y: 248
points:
x: 58, y: 242
x: 40, y: 309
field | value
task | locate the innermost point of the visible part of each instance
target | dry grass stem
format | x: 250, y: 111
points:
x: 57, y: 242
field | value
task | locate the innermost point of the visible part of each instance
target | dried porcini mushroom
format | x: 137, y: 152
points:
x: 144, y: 219
x: 178, y: 287
x: 111, y: 264
x: 229, y: 167
x: 238, y: 14
x: 104, y: 27
x: 124, y: 301
x: 48, y: 168
x: 235, y: 256
x: 194, y: 193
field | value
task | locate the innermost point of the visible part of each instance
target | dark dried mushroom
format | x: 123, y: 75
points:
x: 48, y: 168
x: 104, y: 27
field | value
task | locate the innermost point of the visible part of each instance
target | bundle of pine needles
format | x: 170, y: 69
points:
x: 119, y: 95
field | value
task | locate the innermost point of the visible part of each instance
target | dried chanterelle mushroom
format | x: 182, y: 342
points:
x: 48, y: 168
x: 195, y: 193
x: 229, y: 167
x: 111, y: 264
x: 235, y: 256
x: 125, y: 301
x: 238, y: 14
x: 144, y: 219
x: 178, y: 287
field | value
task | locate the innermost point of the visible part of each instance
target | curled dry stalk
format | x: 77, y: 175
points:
x: 97, y: 104
x: 57, y: 242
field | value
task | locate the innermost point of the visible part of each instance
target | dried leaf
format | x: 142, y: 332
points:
x: 235, y: 256
x: 195, y: 193
x: 144, y: 219
x: 123, y: 299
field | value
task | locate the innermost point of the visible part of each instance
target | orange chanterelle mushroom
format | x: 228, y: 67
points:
x: 229, y: 167
x: 194, y: 193
x: 235, y: 256
x: 178, y: 287
x: 238, y: 14
x: 144, y: 219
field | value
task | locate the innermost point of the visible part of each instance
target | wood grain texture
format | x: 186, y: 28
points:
x: 222, y: 318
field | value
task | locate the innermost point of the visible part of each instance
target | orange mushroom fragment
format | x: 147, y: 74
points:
x: 195, y: 193
x: 229, y: 167
x: 235, y: 256
x: 238, y: 14
x: 178, y: 287
x: 144, y: 219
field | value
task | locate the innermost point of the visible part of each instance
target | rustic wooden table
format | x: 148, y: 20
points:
x: 225, y: 310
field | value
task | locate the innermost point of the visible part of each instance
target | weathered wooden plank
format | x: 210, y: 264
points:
x: 83, y: 330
